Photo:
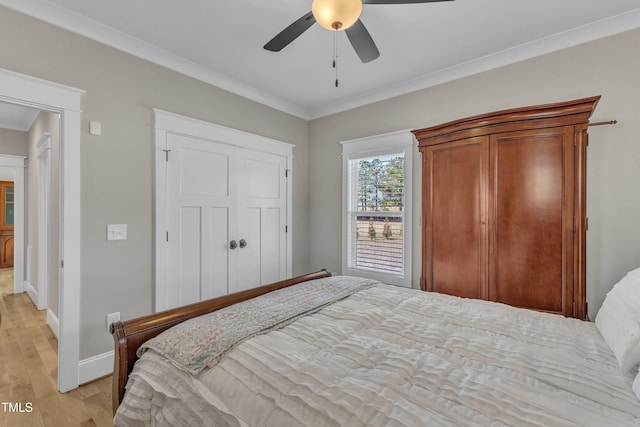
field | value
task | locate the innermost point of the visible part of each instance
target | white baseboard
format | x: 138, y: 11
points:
x: 95, y: 367
x: 31, y: 291
x: 52, y: 321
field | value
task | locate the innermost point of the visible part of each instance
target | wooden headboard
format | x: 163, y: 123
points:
x: 131, y: 334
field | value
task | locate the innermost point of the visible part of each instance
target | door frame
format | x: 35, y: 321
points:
x: 171, y: 123
x: 43, y: 149
x: 20, y: 89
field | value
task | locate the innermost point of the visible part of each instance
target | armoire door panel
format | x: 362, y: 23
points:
x: 528, y: 207
x: 456, y: 218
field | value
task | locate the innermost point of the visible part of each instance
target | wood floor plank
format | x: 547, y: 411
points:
x: 29, y: 371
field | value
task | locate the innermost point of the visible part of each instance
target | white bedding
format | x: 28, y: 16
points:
x: 390, y: 356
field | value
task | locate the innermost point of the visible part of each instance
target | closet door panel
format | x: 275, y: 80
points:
x: 215, y: 253
x: 201, y: 191
x: 528, y: 209
x: 262, y: 215
x: 456, y: 258
x: 187, y: 259
x: 222, y: 206
x: 271, y: 260
x: 249, y: 257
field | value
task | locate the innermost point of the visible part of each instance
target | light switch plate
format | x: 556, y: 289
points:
x: 116, y: 231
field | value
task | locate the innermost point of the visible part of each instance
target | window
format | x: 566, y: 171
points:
x: 377, y: 207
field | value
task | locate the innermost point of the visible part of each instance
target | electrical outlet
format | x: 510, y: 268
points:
x: 112, y: 318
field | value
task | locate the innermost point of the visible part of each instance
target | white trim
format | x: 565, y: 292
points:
x: 11, y: 161
x: 188, y: 126
x: 29, y: 91
x: 69, y: 287
x: 31, y: 291
x: 18, y: 165
x: 52, y: 321
x: 170, y: 123
x: 161, y: 218
x: 43, y: 149
x: 99, y: 32
x: 27, y: 278
x: 289, y: 223
x: 372, y: 146
x: 94, y: 30
x: 566, y: 39
x: 95, y: 367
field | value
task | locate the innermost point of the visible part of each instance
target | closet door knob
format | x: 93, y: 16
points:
x: 233, y: 244
x: 243, y: 243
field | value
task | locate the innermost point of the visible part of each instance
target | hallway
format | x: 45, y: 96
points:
x: 28, y: 371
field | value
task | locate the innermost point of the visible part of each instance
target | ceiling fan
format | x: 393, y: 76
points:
x: 337, y: 15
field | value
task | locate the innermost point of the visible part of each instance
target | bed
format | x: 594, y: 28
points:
x: 322, y: 350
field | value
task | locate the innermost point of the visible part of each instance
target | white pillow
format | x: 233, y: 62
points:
x: 628, y: 290
x: 618, y: 320
x: 636, y: 386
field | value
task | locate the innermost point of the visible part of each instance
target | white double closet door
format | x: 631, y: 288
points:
x: 226, y: 219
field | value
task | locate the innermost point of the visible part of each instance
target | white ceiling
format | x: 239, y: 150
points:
x: 420, y: 45
x: 16, y: 117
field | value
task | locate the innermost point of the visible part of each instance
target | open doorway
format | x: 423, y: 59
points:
x: 64, y: 102
x: 29, y: 214
x: 7, y: 215
x: 13, y: 152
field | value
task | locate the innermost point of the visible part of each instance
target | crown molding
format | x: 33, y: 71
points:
x: 109, y: 36
x: 579, y: 35
x: 94, y: 30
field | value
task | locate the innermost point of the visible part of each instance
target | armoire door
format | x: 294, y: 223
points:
x: 455, y: 256
x: 227, y: 212
x: 531, y: 219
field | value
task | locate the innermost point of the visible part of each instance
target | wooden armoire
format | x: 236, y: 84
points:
x: 6, y: 224
x: 503, y: 206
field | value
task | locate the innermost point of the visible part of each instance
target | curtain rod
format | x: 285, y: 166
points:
x: 610, y: 122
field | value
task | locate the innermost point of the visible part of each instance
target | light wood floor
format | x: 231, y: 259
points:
x: 28, y: 371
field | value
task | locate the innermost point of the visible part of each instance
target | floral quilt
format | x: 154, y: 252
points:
x: 201, y: 342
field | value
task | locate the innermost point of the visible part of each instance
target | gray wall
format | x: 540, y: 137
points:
x: 117, y: 166
x: 116, y: 170
x: 609, y: 67
x: 13, y: 142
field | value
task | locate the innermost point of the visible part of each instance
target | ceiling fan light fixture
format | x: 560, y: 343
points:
x: 336, y: 15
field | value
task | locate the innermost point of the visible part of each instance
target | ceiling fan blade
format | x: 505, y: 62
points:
x: 290, y: 33
x: 362, y: 42
x: 400, y: 1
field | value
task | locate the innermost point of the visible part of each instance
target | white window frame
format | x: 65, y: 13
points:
x: 378, y: 146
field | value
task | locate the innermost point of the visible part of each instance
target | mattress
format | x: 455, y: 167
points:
x: 389, y: 356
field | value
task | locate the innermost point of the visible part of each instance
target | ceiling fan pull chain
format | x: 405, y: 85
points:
x: 335, y: 55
